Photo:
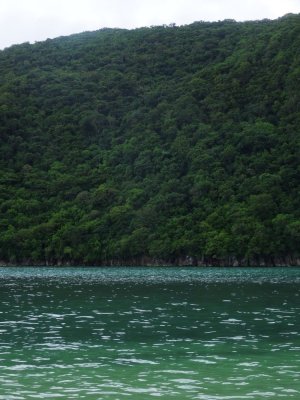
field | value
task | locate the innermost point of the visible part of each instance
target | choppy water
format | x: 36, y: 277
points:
x: 141, y: 333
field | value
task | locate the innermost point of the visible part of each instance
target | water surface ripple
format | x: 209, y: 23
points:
x: 139, y: 333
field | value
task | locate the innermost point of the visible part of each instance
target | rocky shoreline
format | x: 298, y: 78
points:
x: 287, y: 261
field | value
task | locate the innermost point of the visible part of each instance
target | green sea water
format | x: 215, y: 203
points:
x: 143, y: 333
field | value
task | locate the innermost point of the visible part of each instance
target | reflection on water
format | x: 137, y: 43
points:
x: 140, y: 333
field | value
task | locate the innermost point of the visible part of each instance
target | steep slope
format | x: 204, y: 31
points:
x: 165, y: 144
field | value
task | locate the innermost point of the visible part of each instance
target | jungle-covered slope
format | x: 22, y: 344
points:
x: 164, y: 144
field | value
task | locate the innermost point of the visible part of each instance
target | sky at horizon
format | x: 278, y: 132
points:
x: 35, y: 20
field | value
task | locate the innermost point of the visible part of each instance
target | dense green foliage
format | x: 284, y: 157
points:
x: 156, y: 143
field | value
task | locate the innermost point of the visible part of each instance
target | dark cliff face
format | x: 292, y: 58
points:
x: 176, y: 144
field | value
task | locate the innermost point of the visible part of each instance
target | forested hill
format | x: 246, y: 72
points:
x: 155, y: 145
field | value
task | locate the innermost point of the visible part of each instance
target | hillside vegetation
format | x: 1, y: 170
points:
x: 155, y: 145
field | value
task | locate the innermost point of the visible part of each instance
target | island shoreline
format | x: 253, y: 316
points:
x: 260, y: 262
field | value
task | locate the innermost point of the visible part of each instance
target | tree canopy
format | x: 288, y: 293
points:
x: 175, y: 144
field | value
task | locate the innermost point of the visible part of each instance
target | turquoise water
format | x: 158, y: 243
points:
x: 141, y: 333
